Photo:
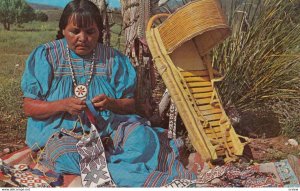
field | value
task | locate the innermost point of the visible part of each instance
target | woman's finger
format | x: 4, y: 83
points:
x: 78, y: 101
x: 99, y: 98
x: 79, y: 107
x: 75, y: 106
x: 99, y: 104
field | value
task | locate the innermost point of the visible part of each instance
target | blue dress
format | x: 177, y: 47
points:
x: 139, y: 155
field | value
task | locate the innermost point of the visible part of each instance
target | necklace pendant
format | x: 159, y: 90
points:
x: 81, y: 91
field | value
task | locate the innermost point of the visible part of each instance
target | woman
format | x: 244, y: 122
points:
x: 59, y: 78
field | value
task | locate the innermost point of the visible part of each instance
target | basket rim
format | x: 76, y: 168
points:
x: 198, y: 32
x: 190, y: 37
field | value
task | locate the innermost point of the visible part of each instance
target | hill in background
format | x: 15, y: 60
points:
x: 42, y: 6
x: 52, y: 12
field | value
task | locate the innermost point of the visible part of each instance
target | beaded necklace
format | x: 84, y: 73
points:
x: 80, y: 90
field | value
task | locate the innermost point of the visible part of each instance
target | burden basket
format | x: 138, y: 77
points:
x: 180, y: 47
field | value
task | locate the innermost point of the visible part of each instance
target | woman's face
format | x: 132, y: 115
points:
x: 81, y: 40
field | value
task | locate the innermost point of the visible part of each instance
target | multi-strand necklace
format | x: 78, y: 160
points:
x: 81, y: 90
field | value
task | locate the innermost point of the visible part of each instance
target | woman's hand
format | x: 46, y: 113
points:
x: 120, y: 106
x: 74, y: 106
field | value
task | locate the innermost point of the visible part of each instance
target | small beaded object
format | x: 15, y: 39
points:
x: 81, y: 90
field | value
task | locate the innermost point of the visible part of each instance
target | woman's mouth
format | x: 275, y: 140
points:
x: 81, y: 46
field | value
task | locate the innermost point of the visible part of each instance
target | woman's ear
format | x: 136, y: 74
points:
x: 63, y: 32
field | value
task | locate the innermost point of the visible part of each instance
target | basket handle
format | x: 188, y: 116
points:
x: 153, y: 18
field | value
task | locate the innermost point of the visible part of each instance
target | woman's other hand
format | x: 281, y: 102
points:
x: 102, y: 102
x: 119, y: 106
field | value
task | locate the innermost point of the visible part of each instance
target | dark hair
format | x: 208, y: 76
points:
x: 84, y: 13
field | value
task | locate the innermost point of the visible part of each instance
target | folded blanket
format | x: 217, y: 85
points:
x: 23, y: 159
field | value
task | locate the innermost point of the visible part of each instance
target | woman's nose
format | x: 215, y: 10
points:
x: 82, y: 37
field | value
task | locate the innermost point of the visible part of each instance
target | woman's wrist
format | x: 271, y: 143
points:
x: 42, y: 109
x: 112, y: 104
x: 119, y: 106
x: 122, y: 106
x: 60, y: 105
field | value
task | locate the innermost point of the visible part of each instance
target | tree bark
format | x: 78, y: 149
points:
x: 136, y: 14
x: 6, y: 26
x: 102, y: 5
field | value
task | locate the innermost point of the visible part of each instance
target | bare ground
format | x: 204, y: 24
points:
x: 272, y: 149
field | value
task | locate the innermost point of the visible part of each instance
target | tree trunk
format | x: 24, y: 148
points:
x: 102, y: 5
x: 6, y: 26
x: 136, y: 14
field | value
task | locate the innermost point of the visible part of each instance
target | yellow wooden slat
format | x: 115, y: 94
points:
x: 214, y: 123
x: 213, y: 117
x: 200, y: 90
x: 219, y: 146
x: 203, y: 101
x: 217, y: 137
x: 195, y: 73
x: 202, y: 95
x: 205, y: 107
x: 211, y: 111
x: 198, y: 84
x: 197, y: 79
x: 216, y: 129
x: 211, y: 134
x: 212, y: 129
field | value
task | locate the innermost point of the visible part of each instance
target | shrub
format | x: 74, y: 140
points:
x: 41, y: 16
x: 261, y: 58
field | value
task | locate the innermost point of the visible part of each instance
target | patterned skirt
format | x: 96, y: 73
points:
x: 137, y: 155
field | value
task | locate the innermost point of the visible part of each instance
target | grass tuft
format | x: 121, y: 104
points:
x: 261, y: 58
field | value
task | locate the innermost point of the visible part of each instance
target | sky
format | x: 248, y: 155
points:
x: 62, y: 3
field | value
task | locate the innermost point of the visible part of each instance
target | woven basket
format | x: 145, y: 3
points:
x: 180, y: 47
x: 201, y: 19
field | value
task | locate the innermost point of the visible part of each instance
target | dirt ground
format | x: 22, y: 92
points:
x: 272, y: 149
x: 9, y: 145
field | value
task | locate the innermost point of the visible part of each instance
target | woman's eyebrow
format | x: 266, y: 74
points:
x: 84, y: 28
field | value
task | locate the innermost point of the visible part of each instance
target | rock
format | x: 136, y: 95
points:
x: 7, y: 150
x: 293, y: 142
x: 286, y: 144
x: 215, y: 181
